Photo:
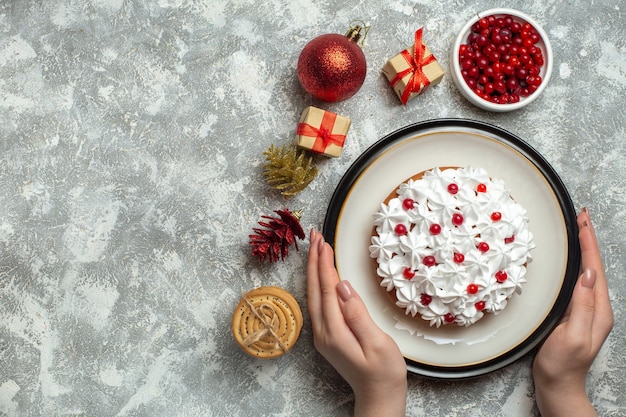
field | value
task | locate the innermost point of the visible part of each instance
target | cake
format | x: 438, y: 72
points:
x: 267, y: 322
x: 451, y: 245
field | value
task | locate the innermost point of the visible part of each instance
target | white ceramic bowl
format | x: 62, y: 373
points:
x: 545, y: 72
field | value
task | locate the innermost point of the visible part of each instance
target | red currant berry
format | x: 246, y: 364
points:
x: 483, y: 247
x: 509, y: 239
x: 449, y: 318
x: 426, y: 299
x: 500, y: 87
x: 534, y: 36
x: 489, y: 49
x: 400, y: 229
x: 481, y: 40
x: 496, y: 215
x: 459, y: 258
x: 533, y: 71
x: 457, y: 219
x: 528, y: 42
x: 497, y: 38
x: 453, y: 188
x: 467, y: 64
x: 435, y: 229
x: 512, y: 83
x: 538, y: 80
x: 408, y: 204
x: 480, y: 305
x: 472, y: 289
x: 429, y: 260
x: 481, y: 188
x: 408, y: 273
x: 501, y: 276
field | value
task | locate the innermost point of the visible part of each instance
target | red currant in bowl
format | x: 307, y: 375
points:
x: 501, y: 60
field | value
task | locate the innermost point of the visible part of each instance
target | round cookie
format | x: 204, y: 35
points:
x: 267, y: 322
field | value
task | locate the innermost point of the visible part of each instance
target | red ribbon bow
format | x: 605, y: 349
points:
x: 416, y: 63
x: 323, y: 135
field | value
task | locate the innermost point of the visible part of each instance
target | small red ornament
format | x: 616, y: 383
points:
x: 272, y: 243
x: 332, y: 67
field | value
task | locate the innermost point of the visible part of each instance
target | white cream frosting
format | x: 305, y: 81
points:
x: 466, y: 267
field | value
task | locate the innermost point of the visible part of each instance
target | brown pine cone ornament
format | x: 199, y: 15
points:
x: 272, y: 242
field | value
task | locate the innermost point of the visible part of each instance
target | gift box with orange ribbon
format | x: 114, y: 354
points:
x: 322, y: 131
x: 413, y: 70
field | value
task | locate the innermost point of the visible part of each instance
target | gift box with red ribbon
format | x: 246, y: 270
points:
x: 413, y: 70
x: 322, y: 131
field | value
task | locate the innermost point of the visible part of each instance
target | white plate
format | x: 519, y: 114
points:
x: 495, y: 341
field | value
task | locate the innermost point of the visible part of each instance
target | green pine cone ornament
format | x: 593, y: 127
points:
x: 288, y: 169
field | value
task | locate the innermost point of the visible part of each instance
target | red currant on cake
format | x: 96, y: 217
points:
x: 501, y: 276
x: 434, y: 229
x: 408, y: 273
x: 459, y: 258
x: 449, y: 318
x: 457, y: 219
x: 483, y: 247
x: 496, y: 215
x: 400, y: 229
x: 509, y: 239
x: 426, y: 299
x: 472, y: 288
x: 480, y: 305
x: 429, y: 260
x: 408, y: 203
x: 481, y: 188
x: 453, y: 188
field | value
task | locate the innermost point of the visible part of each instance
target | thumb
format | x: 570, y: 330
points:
x: 583, y: 302
x: 356, y: 315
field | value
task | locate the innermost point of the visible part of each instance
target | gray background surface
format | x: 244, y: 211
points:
x: 131, y: 140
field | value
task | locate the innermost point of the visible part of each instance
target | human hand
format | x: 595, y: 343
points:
x: 345, y: 334
x: 562, y: 362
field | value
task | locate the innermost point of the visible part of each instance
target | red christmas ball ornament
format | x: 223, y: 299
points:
x: 332, y: 67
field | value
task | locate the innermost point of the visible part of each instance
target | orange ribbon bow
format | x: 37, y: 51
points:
x: 416, y: 63
x: 323, y: 135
